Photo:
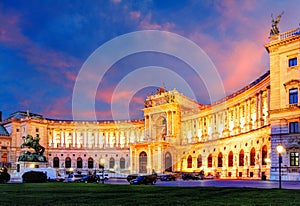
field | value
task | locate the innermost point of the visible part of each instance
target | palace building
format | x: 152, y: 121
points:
x: 235, y: 137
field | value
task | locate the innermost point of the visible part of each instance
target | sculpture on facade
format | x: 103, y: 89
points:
x: 275, y: 22
x: 32, y: 143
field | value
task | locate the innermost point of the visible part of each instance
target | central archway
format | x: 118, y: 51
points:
x: 168, y: 162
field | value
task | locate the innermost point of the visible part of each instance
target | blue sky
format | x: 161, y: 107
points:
x: 43, y: 45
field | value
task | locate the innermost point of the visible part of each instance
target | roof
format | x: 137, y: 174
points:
x: 3, y: 131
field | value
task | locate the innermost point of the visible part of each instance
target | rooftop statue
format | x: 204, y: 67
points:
x: 275, y: 22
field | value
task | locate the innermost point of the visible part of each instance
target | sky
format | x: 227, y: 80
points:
x: 46, y: 45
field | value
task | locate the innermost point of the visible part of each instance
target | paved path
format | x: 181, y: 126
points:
x: 221, y: 183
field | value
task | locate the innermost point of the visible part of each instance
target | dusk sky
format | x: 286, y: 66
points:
x: 44, y: 45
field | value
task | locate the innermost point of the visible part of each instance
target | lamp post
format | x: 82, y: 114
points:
x: 102, y: 162
x: 280, y: 150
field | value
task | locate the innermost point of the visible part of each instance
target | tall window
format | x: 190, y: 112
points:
x: 293, y: 96
x: 294, y: 127
x: 189, y: 162
x: 4, y: 157
x: 230, y: 159
x: 111, y: 163
x: 220, y: 160
x: 264, y: 155
x: 68, y: 162
x: 209, y: 161
x: 241, y: 158
x: 122, y: 163
x: 252, y: 157
x: 79, y: 162
x: 90, y: 163
x: 199, y: 161
x: 293, y: 62
x: 56, y: 162
x: 294, y: 159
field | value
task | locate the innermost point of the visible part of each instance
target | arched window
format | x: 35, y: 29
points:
x: 79, y: 162
x: 189, y: 161
x: 230, y: 159
x: 56, y: 162
x: 68, y: 162
x: 122, y: 163
x: 143, y: 162
x: 168, y: 162
x: 209, y: 161
x: 4, y: 157
x: 241, y: 158
x: 264, y: 155
x: 220, y: 160
x: 111, y: 163
x: 252, y: 157
x: 199, y: 161
x: 90, y: 163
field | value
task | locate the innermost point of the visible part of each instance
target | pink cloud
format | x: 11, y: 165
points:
x: 147, y: 23
x: 12, y: 36
x: 135, y: 14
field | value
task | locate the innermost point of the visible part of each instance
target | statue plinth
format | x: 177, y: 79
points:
x: 32, y: 157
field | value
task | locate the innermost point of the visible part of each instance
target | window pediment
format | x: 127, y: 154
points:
x: 291, y: 83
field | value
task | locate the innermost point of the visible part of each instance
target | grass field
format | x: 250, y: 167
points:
x: 98, y: 194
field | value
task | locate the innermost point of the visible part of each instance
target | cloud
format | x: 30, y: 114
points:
x: 148, y: 23
x: 135, y: 14
x: 48, y: 60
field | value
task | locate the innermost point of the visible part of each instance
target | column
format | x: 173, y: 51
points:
x: 84, y: 139
x: 96, y: 138
x: 149, y: 163
x: 74, y: 138
x: 256, y: 110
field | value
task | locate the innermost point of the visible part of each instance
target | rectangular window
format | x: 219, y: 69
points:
x: 294, y: 127
x: 294, y: 159
x: 293, y: 62
x: 294, y: 96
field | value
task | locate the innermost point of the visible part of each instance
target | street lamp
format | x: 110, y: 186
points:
x: 102, y: 162
x: 280, y: 150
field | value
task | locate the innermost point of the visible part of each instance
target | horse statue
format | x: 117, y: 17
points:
x: 33, y: 143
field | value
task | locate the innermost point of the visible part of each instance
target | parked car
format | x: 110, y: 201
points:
x: 167, y: 177
x: 190, y: 176
x: 90, y: 178
x: 34, y: 177
x: 4, y: 175
x: 131, y: 177
x: 74, y: 178
x: 209, y: 176
x: 144, y: 179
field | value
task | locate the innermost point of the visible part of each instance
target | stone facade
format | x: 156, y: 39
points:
x: 235, y: 137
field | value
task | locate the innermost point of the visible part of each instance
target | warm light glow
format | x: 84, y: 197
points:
x: 267, y: 160
x: 102, y: 161
x: 31, y: 165
x: 279, y: 149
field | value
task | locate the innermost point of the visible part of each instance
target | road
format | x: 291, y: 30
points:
x: 220, y: 183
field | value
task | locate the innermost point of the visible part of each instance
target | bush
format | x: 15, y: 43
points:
x: 4, y: 177
x: 34, y: 176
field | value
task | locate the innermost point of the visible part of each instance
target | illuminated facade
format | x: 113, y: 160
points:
x: 235, y: 137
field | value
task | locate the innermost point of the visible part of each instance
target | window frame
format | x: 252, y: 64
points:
x: 293, y: 127
x: 293, y: 96
x: 293, y: 62
x: 294, y: 159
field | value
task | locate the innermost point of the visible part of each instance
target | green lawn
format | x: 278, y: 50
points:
x: 98, y: 194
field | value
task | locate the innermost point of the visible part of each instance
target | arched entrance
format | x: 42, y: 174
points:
x: 143, y: 162
x: 168, y: 162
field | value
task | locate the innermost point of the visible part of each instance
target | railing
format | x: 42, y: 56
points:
x: 287, y: 34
